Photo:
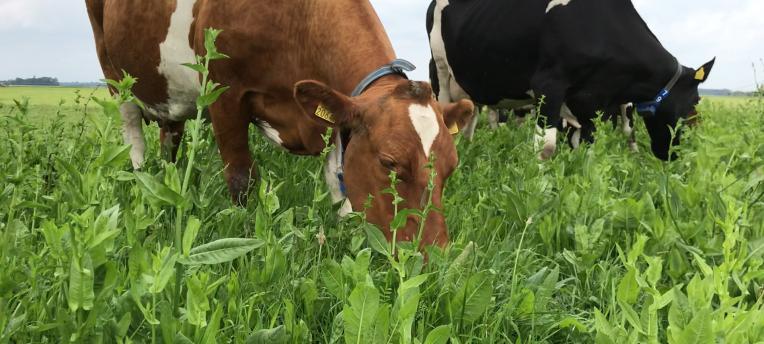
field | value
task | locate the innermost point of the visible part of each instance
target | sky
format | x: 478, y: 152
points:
x: 53, y: 37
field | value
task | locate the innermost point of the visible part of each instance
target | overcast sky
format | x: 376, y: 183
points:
x: 53, y: 37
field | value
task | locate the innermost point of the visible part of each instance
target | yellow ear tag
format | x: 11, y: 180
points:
x: 700, y: 75
x: 324, y: 113
x: 453, y: 129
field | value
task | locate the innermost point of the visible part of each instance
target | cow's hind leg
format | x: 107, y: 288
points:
x: 132, y: 126
x: 170, y: 137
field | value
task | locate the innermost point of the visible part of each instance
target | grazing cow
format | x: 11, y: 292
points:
x: 292, y: 66
x: 581, y: 54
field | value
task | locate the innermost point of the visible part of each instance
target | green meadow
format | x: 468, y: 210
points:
x: 598, y: 245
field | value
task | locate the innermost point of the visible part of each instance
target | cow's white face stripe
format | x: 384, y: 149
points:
x: 182, y: 83
x: 426, y: 125
x: 555, y: 3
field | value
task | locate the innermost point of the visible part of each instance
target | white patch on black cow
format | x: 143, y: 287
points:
x: 425, y: 123
x: 555, y: 3
x: 132, y: 126
x: 182, y: 83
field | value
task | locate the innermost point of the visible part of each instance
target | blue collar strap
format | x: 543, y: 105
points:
x: 399, y: 67
x: 649, y: 109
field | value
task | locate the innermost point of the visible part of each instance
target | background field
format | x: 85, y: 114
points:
x: 598, y: 245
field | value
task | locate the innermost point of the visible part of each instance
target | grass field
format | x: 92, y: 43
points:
x: 598, y: 245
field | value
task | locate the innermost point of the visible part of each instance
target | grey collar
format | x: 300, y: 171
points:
x: 398, y: 66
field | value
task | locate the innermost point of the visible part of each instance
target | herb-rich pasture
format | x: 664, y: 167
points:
x: 597, y: 245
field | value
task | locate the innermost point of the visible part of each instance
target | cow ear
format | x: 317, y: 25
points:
x: 458, y: 115
x: 323, y: 104
x: 701, y: 74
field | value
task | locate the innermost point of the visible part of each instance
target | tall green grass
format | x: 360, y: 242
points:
x: 597, y: 245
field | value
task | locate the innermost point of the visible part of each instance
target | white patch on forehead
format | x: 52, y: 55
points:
x: 270, y: 133
x: 426, y: 125
x: 555, y: 3
x: 182, y: 83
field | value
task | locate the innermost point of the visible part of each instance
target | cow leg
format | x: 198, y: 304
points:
x: 132, y: 126
x: 549, y: 121
x: 493, y: 118
x: 231, y: 129
x: 170, y: 137
x: 627, y: 120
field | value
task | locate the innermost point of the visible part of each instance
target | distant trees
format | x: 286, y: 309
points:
x: 33, y: 81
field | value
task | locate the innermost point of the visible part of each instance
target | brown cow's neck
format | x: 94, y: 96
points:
x: 348, y: 40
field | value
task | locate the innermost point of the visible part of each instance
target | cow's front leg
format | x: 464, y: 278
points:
x: 132, y: 126
x: 549, y: 123
x: 231, y: 129
x: 170, y: 137
x: 627, y: 121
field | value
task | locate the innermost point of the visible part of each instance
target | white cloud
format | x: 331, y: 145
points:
x: 18, y: 13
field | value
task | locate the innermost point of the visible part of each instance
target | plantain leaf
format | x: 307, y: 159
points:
x: 439, y: 335
x: 221, y: 251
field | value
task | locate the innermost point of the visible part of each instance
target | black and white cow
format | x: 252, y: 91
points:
x: 576, y: 56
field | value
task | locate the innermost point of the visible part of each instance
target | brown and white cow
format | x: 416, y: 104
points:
x: 287, y: 58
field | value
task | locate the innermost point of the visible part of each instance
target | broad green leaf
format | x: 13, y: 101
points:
x: 360, y: 312
x: 189, y: 235
x: 157, y: 192
x: 199, y: 68
x: 377, y: 240
x: 206, y: 100
x: 472, y: 298
x: 399, y: 221
x: 631, y: 316
x: 213, y: 328
x: 654, y: 270
x: 438, y: 335
x: 163, y: 276
x: 700, y: 329
x: 276, y: 335
x: 81, y: 293
x: 197, y: 303
x: 181, y: 339
x: 113, y: 156
x: 361, y: 265
x: 334, y: 279
x: 637, y: 249
x: 459, y: 267
x: 221, y: 251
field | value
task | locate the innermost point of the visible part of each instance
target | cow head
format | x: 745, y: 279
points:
x: 680, y: 104
x: 395, y: 126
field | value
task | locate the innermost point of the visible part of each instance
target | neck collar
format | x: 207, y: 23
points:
x: 398, y: 67
x: 648, y: 109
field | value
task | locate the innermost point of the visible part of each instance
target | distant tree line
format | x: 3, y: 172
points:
x: 33, y: 81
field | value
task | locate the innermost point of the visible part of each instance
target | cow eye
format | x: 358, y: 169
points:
x: 388, y: 163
